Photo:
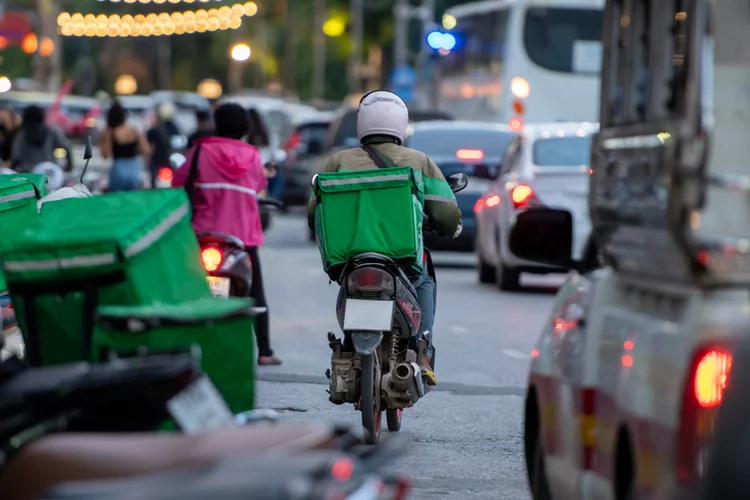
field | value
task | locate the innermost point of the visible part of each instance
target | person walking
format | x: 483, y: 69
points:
x: 126, y: 145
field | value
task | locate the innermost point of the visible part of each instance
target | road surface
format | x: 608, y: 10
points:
x: 465, y: 437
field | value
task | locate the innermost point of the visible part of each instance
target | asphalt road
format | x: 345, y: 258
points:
x: 466, y: 436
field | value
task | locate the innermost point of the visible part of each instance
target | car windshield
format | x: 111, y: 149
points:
x: 564, y: 39
x: 448, y: 141
x: 562, y: 152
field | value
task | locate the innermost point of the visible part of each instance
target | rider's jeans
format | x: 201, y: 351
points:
x: 426, y: 294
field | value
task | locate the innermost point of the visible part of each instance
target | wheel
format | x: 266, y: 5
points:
x: 393, y: 417
x: 539, y: 485
x: 369, y: 402
x: 508, y: 278
x: 486, y: 272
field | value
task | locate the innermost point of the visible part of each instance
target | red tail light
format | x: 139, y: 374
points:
x: 212, y: 258
x: 165, y: 174
x: 293, y: 142
x: 342, y: 469
x: 521, y: 195
x: 370, y: 279
x: 703, y: 392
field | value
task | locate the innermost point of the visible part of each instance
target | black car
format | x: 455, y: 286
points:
x: 457, y: 146
x: 302, y: 149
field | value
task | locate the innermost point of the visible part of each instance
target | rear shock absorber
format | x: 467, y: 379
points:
x: 393, y: 357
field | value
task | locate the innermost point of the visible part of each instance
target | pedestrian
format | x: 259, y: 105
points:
x: 35, y: 142
x: 126, y: 145
x: 205, y: 126
x: 227, y: 172
x: 8, y: 129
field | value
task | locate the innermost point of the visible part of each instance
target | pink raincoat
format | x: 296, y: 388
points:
x: 229, y: 176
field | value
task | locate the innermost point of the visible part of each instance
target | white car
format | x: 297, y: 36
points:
x: 546, y: 165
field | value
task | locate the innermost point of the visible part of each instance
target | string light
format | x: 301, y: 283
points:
x: 164, y: 23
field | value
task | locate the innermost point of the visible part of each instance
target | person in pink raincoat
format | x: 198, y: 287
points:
x: 228, y: 175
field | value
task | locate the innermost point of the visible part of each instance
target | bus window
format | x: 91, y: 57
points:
x: 564, y: 39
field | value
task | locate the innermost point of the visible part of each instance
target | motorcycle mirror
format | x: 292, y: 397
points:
x: 314, y: 178
x: 176, y: 160
x: 88, y: 152
x: 458, y: 181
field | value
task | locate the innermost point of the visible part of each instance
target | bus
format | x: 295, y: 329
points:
x: 518, y: 61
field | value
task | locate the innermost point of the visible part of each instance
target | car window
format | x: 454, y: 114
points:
x: 448, y: 141
x: 345, y: 131
x: 312, y: 132
x: 562, y: 152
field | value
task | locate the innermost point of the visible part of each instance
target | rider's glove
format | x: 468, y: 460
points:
x: 458, y: 231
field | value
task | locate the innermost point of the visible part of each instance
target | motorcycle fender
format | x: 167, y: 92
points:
x: 366, y: 342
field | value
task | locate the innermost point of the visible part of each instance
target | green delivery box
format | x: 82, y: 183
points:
x: 377, y: 210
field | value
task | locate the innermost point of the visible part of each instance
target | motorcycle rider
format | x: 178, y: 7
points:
x: 228, y: 174
x: 36, y: 142
x: 382, y: 119
x: 160, y: 138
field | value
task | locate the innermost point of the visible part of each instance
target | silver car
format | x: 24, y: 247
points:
x: 546, y: 165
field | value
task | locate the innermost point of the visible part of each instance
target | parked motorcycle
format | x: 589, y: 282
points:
x: 375, y: 366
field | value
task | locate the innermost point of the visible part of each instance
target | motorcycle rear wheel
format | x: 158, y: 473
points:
x: 369, y: 404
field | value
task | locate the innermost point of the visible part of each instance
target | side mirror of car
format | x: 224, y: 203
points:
x: 88, y: 151
x: 457, y: 181
x: 176, y: 160
x: 544, y: 235
x: 484, y: 171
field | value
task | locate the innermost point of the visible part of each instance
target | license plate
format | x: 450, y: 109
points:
x: 200, y: 407
x: 219, y: 286
x: 368, y: 315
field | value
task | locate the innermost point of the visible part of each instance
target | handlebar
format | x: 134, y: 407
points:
x: 270, y: 202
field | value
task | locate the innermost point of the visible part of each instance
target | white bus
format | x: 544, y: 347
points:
x: 520, y: 61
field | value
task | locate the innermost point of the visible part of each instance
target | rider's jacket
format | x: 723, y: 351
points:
x: 440, y: 202
x: 229, y: 175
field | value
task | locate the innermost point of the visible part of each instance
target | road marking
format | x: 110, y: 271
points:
x: 512, y: 353
x: 462, y: 330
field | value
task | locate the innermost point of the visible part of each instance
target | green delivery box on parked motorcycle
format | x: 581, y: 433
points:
x: 221, y: 327
x: 132, y: 248
x: 377, y: 210
x: 18, y: 196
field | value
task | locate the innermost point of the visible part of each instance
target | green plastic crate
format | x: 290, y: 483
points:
x: 135, y: 248
x: 223, y: 328
x: 362, y: 211
x: 18, y: 196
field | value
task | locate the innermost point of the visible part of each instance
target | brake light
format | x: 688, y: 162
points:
x: 212, y: 258
x: 493, y: 201
x: 515, y: 124
x: 704, y: 389
x: 370, y: 279
x: 342, y: 469
x: 293, y: 142
x: 711, y: 377
x: 469, y: 154
x: 165, y: 174
x: 521, y: 195
x: 479, y: 205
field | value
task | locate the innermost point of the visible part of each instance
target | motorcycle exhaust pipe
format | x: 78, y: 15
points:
x: 408, y: 377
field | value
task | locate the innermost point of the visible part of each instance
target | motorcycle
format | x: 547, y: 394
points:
x: 226, y: 262
x: 376, y: 367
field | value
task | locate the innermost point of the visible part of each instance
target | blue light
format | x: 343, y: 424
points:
x: 438, y: 40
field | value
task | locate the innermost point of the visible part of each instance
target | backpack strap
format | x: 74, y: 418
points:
x: 192, y: 174
x: 381, y: 160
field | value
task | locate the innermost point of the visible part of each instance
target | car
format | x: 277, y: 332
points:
x: 302, y: 149
x: 459, y: 146
x: 545, y: 165
x: 342, y: 134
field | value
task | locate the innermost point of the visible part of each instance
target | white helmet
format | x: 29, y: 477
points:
x: 381, y: 112
x: 55, y: 174
x: 165, y: 111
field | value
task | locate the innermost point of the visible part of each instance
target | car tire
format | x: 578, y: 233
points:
x: 539, y: 486
x: 486, y: 272
x: 508, y: 278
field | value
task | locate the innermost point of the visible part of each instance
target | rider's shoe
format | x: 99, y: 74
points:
x: 268, y: 361
x: 427, y: 372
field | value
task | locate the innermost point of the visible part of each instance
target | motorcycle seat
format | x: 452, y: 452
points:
x: 373, y: 256
x: 221, y: 239
x: 63, y: 458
